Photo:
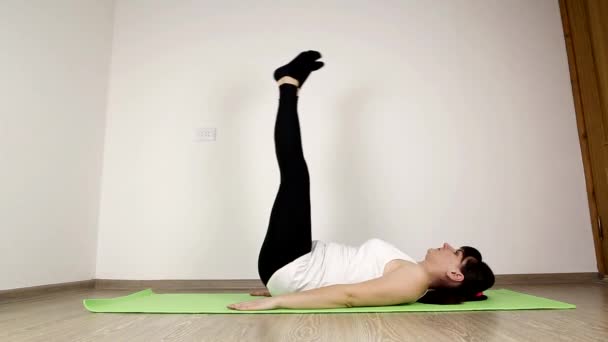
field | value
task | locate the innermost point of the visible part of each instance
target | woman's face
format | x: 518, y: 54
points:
x: 445, y: 255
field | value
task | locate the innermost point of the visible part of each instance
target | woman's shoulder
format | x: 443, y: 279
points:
x: 409, y: 271
x: 409, y: 280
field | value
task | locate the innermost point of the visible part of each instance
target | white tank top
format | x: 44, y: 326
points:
x: 330, y: 263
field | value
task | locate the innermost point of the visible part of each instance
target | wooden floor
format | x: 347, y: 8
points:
x: 61, y: 317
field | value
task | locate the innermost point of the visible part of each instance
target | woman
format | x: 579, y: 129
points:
x: 301, y: 274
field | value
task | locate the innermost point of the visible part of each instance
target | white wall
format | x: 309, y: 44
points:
x: 54, y: 61
x: 431, y: 122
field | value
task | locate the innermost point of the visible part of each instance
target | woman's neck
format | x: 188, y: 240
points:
x: 435, y: 275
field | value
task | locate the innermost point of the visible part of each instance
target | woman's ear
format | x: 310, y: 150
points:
x: 455, y: 275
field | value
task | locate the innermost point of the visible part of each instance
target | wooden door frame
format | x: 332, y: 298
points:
x: 582, y: 130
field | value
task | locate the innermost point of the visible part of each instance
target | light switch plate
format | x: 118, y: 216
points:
x: 205, y: 134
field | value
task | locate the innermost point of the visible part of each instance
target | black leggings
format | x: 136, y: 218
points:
x: 289, y: 232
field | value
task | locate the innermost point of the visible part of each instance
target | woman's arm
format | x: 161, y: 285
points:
x: 322, y: 298
x: 327, y: 297
x: 403, y: 285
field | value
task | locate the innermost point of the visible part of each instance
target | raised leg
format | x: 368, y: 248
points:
x: 289, y: 230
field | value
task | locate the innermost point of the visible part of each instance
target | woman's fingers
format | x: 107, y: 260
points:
x: 259, y: 304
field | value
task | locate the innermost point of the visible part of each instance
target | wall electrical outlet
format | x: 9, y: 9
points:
x: 205, y: 134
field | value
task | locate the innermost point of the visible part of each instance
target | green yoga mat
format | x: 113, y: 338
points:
x: 150, y: 302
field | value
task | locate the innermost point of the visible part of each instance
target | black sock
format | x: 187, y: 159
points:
x: 300, y: 67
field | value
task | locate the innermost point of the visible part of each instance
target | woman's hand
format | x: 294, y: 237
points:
x: 259, y: 304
